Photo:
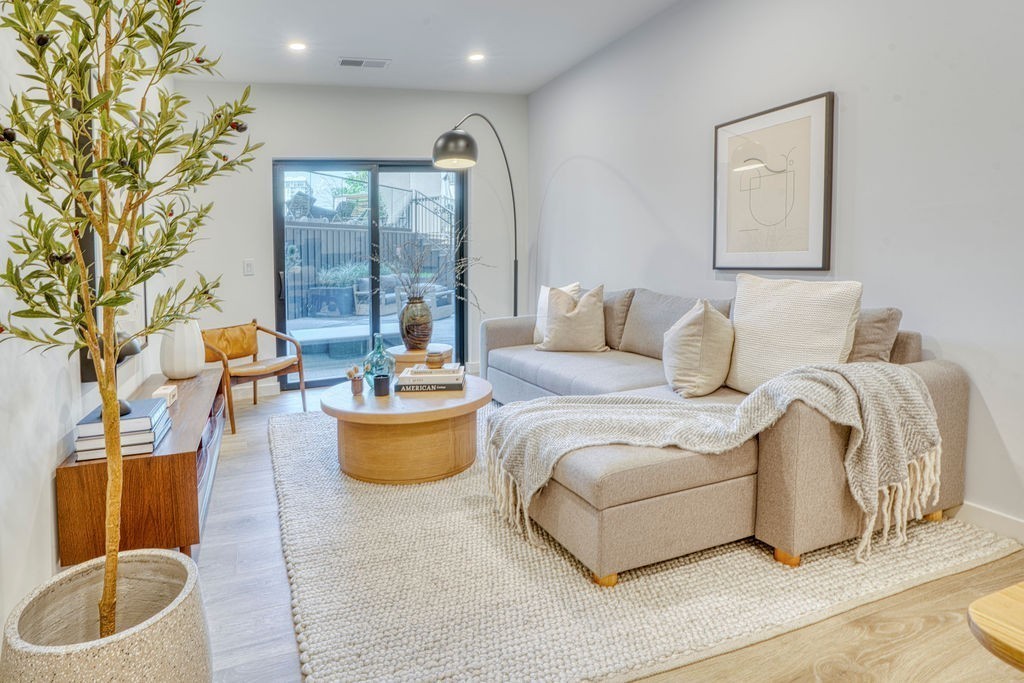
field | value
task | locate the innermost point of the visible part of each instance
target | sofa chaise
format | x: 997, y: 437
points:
x: 621, y: 507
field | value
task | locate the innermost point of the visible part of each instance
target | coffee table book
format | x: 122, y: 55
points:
x: 145, y: 413
x: 431, y: 386
x: 132, y: 443
x: 421, y: 378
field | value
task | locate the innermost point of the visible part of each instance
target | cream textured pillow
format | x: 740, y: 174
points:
x: 572, y: 290
x: 783, y: 324
x: 575, y: 324
x: 698, y: 351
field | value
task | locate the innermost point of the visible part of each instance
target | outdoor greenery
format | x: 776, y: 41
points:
x: 110, y: 162
x: 344, y: 275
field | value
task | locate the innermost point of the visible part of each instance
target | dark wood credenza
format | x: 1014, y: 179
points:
x: 166, y: 493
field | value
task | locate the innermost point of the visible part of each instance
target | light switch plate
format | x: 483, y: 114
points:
x: 248, y: 267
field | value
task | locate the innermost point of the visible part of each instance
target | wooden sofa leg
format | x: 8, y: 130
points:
x: 605, y: 581
x: 934, y: 516
x: 787, y: 559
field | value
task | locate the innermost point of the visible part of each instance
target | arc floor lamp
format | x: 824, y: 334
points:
x: 457, y: 150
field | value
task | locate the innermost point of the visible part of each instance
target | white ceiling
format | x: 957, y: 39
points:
x: 527, y: 42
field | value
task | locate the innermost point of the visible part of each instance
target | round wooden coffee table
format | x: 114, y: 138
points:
x: 406, y: 438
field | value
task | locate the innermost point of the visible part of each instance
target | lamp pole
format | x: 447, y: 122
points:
x: 515, y: 222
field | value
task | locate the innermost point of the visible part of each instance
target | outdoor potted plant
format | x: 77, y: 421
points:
x: 336, y: 288
x: 95, y: 137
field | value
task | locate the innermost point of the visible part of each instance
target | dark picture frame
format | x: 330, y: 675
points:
x: 773, y: 188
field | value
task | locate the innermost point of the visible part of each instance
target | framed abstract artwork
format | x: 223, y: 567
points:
x: 773, y: 188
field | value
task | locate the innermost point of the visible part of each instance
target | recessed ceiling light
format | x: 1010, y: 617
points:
x: 476, y: 56
x: 297, y: 46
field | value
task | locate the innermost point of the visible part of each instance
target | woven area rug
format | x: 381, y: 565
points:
x: 426, y: 582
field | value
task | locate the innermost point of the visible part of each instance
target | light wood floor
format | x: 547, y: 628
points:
x: 918, y: 635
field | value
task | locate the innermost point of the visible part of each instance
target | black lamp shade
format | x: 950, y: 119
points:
x: 454, y: 150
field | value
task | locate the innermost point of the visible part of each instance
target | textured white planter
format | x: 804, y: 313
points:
x: 162, y: 636
x: 182, y: 353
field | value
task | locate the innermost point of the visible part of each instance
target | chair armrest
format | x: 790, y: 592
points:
x: 285, y: 337
x: 803, y: 499
x: 220, y: 354
x: 497, y: 333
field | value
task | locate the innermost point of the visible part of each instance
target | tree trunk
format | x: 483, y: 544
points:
x: 115, y: 476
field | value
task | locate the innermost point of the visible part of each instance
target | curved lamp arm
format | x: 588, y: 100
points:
x: 515, y: 223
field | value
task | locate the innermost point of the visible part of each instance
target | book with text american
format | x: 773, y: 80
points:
x: 437, y: 386
x: 145, y: 414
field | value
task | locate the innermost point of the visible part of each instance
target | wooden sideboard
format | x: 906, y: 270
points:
x: 166, y: 492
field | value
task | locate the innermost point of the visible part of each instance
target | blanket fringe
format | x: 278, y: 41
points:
x: 901, y: 502
x: 507, y: 497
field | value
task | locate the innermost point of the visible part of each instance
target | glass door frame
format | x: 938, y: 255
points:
x: 374, y: 167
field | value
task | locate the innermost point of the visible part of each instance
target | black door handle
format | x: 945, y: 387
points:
x: 280, y: 285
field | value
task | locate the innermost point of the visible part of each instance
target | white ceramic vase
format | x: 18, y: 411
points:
x: 181, y: 351
x: 53, y: 635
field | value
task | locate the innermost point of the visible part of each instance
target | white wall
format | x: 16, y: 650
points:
x: 354, y: 123
x: 41, y: 400
x: 929, y: 174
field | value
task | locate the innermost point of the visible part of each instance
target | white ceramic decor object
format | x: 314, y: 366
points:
x: 53, y: 635
x: 182, y: 353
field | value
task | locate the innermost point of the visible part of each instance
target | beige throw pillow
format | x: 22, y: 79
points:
x: 540, y: 326
x: 783, y: 324
x: 698, y: 351
x: 575, y: 324
x: 875, y: 335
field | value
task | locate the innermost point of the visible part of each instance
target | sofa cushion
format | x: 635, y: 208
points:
x: 616, y: 306
x: 875, y: 335
x: 541, y: 324
x: 575, y: 323
x: 783, y: 324
x: 566, y: 373
x: 664, y: 392
x: 606, y: 476
x: 697, y: 351
x: 651, y: 314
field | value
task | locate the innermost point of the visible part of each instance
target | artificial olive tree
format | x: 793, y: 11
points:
x: 110, y: 160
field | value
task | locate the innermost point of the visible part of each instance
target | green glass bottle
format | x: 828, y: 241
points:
x: 380, y: 361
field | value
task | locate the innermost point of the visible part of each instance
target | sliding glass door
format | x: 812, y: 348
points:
x: 335, y: 225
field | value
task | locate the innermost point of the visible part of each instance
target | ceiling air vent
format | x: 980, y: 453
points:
x: 363, y: 62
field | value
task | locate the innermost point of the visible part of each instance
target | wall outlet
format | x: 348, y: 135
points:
x: 248, y: 267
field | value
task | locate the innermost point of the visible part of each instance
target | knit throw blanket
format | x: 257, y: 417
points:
x: 892, y: 460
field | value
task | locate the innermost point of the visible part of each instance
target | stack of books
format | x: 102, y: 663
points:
x: 141, y: 430
x: 449, y: 377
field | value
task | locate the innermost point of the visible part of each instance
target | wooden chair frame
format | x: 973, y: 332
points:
x: 231, y: 380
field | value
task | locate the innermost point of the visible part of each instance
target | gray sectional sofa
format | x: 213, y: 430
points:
x: 621, y: 507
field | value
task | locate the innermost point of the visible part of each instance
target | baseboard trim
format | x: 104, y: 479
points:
x: 268, y: 387
x: 998, y: 522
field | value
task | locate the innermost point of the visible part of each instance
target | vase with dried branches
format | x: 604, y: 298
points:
x: 95, y: 135
x: 424, y: 267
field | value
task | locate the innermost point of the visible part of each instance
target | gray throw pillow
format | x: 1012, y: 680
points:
x: 875, y: 335
x: 616, y: 307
